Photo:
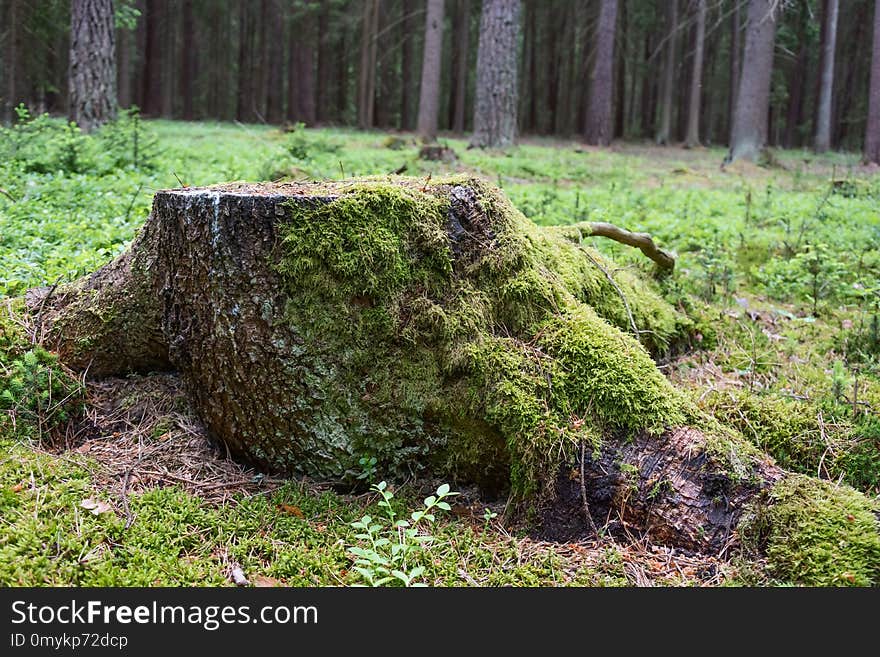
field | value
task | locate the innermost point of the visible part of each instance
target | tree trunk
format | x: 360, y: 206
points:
x: 797, y: 84
x: 301, y: 73
x: 407, y: 53
x: 307, y: 354
x: 244, y: 85
x: 600, y: 118
x: 872, y: 126
x: 367, y: 79
x: 495, y: 103
x: 826, y: 71
x: 460, y: 59
x: 275, y: 50
x: 749, y: 135
x: 664, y: 129
x: 188, y: 50
x: 735, y: 65
x: 11, y: 66
x: 92, y: 79
x: 620, y: 74
x: 429, y: 91
x: 325, y: 61
x: 693, y: 130
x: 123, y: 70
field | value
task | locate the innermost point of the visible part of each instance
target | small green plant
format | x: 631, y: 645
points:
x: 840, y: 381
x: 36, y: 395
x: 389, y: 545
x: 368, y: 468
x: 128, y: 143
x: 488, y: 516
x: 304, y: 145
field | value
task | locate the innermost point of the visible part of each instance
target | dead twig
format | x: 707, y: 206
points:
x: 664, y: 260
x: 587, y: 514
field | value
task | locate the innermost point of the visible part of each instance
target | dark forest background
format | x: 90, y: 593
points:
x: 358, y: 62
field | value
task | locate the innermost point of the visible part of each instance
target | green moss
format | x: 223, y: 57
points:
x: 450, y: 330
x: 816, y: 533
x: 800, y: 437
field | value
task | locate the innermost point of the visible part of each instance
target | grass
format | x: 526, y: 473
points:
x: 780, y: 266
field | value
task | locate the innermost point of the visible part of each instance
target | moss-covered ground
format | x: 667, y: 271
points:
x: 778, y: 273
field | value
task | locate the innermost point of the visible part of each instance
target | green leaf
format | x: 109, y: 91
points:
x: 429, y: 501
x: 443, y: 490
x: 444, y: 506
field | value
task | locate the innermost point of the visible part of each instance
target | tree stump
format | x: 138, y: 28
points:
x: 436, y: 329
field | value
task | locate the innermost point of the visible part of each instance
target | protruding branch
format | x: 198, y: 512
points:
x: 642, y: 241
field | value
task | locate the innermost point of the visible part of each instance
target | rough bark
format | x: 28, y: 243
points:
x: 749, y: 134
x: 600, y: 119
x: 92, y: 77
x: 258, y: 296
x: 872, y: 127
x: 496, y: 96
x: 664, y: 127
x: 822, y: 140
x: 693, y: 130
x: 429, y: 90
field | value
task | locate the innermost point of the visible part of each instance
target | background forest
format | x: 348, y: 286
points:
x: 676, y: 65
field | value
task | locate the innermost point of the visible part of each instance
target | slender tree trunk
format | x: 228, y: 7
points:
x: 92, y: 63
x: 531, y: 58
x: 188, y: 49
x: 843, y: 119
x: 429, y: 93
x: 822, y: 140
x: 123, y: 69
x: 664, y: 130
x: 495, y: 103
x: 753, y: 98
x: 11, y: 65
x: 872, y: 126
x: 600, y: 119
x: 342, y: 76
x: 325, y: 57
x: 244, y: 86
x: 620, y: 73
x: 168, y: 41
x: 649, y: 86
x: 152, y: 80
x: 275, y: 50
x: 460, y: 57
x: 407, y: 54
x: 796, y: 85
x: 367, y: 82
x: 693, y: 129
x: 735, y: 64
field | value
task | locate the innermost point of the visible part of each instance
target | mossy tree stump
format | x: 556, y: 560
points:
x: 431, y: 327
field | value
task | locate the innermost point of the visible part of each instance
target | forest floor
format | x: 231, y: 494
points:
x: 779, y: 263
